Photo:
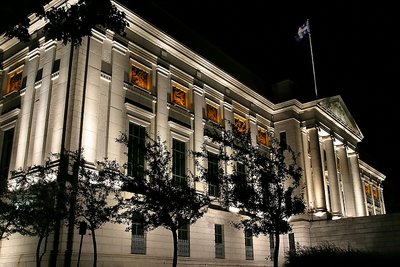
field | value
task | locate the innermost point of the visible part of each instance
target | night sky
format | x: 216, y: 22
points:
x: 356, y: 49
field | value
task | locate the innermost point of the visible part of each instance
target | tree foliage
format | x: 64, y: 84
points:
x: 159, y: 199
x: 264, y: 190
x: 70, y: 23
x: 34, y: 194
x: 95, y: 189
x: 8, y: 215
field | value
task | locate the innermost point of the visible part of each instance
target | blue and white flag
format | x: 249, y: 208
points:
x: 303, y: 31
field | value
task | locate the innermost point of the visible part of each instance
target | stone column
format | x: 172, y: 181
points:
x: 317, y: 175
x: 117, y: 113
x: 383, y: 208
x: 163, y: 87
x: 253, y: 130
x: 347, y: 183
x: 27, y: 104
x: 360, y: 208
x: 198, y: 102
x: 228, y: 119
x: 42, y: 107
x: 307, y: 171
x: 332, y: 176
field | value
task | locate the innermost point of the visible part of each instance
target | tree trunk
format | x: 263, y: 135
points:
x: 38, y: 251
x: 45, y: 247
x: 94, y: 247
x: 276, y: 250
x: 175, y: 238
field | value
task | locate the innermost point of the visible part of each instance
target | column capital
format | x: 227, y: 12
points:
x: 198, y: 90
x: 252, y: 118
x: 227, y: 106
x: 162, y: 70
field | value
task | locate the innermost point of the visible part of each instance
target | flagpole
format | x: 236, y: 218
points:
x: 312, y: 59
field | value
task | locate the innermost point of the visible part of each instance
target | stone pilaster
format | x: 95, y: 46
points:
x: 317, y: 176
x: 336, y: 208
x: 360, y: 208
x: 346, y: 181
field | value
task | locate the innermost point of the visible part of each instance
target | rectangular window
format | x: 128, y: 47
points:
x: 292, y: 242
x: 138, y: 245
x: 5, y: 156
x: 14, y: 81
x: 140, y: 77
x: 271, y: 246
x: 240, y: 124
x: 183, y: 241
x: 180, y: 96
x: 136, y: 151
x: 368, y: 193
x: 282, y: 139
x: 241, y: 170
x: 248, y: 242
x: 263, y: 137
x: 179, y: 162
x: 375, y: 193
x: 212, y: 113
x: 213, y: 186
x: 219, y: 241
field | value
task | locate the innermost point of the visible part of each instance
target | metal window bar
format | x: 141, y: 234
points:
x: 219, y: 250
x: 183, y: 248
x: 213, y: 190
x: 138, y: 245
x: 249, y: 253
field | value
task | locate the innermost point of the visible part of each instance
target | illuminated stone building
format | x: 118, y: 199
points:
x: 148, y: 81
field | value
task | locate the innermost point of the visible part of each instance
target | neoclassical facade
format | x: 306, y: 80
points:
x: 149, y: 82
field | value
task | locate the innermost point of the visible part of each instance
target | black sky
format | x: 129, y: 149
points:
x: 356, y: 55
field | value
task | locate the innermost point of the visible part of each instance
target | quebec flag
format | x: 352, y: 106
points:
x: 303, y: 31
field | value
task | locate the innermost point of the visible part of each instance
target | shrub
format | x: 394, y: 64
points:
x: 328, y: 255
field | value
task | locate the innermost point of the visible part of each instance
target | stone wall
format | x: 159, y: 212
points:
x: 379, y: 233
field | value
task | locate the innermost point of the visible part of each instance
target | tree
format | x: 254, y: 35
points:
x: 160, y: 199
x: 8, y: 215
x: 94, y: 190
x: 30, y: 207
x: 70, y: 24
x: 34, y: 193
x: 261, y: 185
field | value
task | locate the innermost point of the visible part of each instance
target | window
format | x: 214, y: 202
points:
x: 138, y: 245
x: 5, y: 156
x: 213, y: 186
x: 14, y: 81
x: 179, y: 162
x: 248, y: 242
x: 39, y: 75
x: 212, y: 113
x: 283, y: 142
x: 368, y: 192
x: 375, y: 193
x: 292, y: 242
x: 241, y: 170
x: 180, y: 96
x: 136, y: 151
x: 240, y: 124
x: 271, y: 246
x: 263, y: 138
x: 140, y: 77
x: 55, y: 71
x: 183, y: 241
x: 219, y: 241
